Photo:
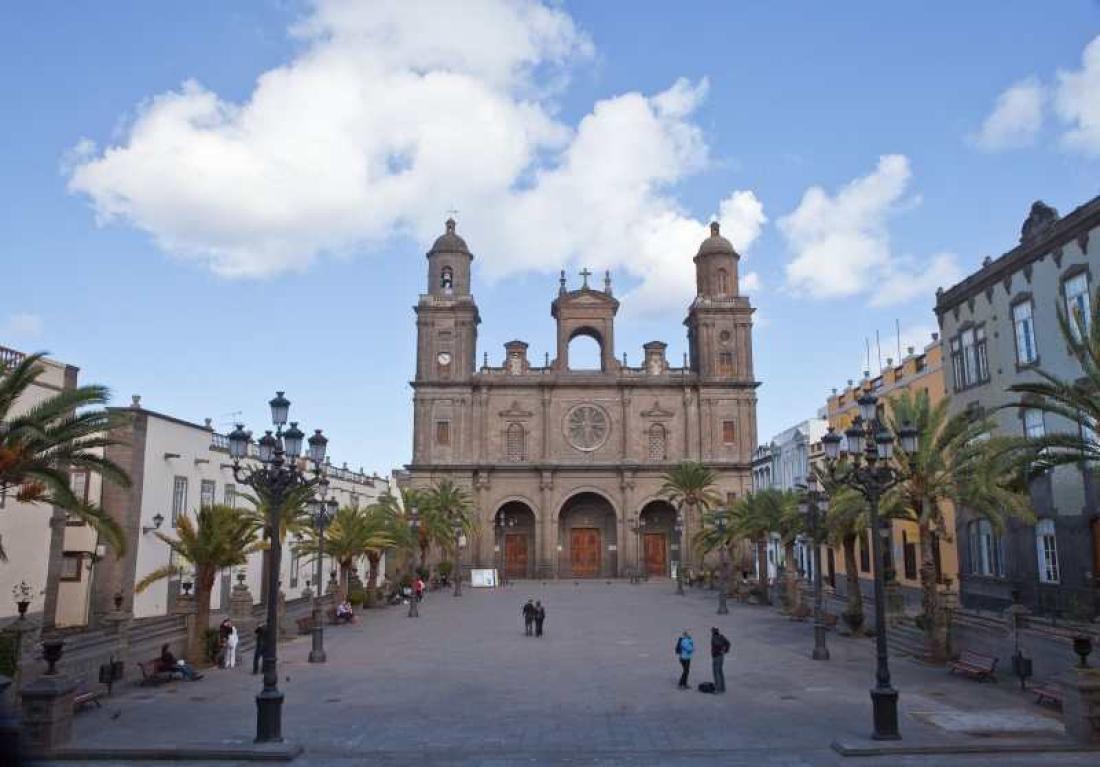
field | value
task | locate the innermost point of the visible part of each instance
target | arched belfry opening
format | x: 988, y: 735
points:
x: 583, y: 316
x: 585, y: 350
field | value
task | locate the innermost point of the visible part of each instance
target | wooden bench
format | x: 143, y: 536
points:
x: 85, y: 698
x: 305, y: 625
x: 974, y: 665
x: 1048, y: 693
x: 829, y: 619
x: 800, y: 612
x: 152, y: 673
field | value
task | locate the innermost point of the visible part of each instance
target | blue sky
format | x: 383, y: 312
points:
x: 264, y: 225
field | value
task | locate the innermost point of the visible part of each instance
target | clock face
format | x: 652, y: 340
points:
x: 444, y: 358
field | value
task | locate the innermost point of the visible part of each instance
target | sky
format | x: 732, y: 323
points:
x: 204, y: 202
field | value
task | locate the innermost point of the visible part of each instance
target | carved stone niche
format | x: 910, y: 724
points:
x: 655, y: 362
x: 515, y: 358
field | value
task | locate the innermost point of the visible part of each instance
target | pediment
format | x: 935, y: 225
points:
x: 514, y: 411
x: 656, y: 411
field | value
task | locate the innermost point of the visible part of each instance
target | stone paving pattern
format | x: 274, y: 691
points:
x: 463, y: 685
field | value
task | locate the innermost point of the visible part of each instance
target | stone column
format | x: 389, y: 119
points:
x: 1081, y: 705
x: 48, y: 710
x: 548, y: 543
x: 185, y: 606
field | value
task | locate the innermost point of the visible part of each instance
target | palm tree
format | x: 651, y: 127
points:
x: 220, y: 537
x: 755, y: 516
x: 449, y: 506
x: 41, y: 446
x: 385, y: 517
x: 293, y: 515
x: 351, y: 534
x: 690, y: 486
x: 956, y: 460
x: 789, y: 524
x: 846, y: 520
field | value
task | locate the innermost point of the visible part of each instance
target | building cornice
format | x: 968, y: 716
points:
x: 553, y: 466
x: 1066, y: 229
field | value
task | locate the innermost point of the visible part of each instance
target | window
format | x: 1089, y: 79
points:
x: 79, y: 484
x: 986, y: 549
x: 71, y: 566
x: 1025, y: 333
x: 723, y: 282
x: 909, y: 554
x: 179, y: 498
x: 1076, y: 290
x: 443, y: 432
x: 206, y: 493
x: 658, y: 442
x: 1034, y: 425
x: 1047, y: 549
x: 969, y: 360
x: 729, y: 432
x: 293, y: 569
x: 229, y: 496
x: 865, y: 552
x: 447, y: 279
x: 515, y: 440
x: 725, y: 363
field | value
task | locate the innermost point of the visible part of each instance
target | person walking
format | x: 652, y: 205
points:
x: 719, y: 646
x: 529, y: 617
x: 258, y: 650
x: 231, y: 643
x: 685, y: 648
x: 540, y: 617
x: 419, y: 589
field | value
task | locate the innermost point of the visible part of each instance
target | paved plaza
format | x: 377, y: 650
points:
x: 462, y: 685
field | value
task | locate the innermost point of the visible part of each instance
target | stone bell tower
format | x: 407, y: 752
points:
x: 446, y: 315
x: 719, y: 321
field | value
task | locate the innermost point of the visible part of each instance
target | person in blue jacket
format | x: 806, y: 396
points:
x: 685, y: 648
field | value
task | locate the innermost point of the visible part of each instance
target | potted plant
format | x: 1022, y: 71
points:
x: 22, y: 592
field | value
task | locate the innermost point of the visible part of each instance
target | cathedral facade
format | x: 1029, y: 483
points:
x: 564, y: 466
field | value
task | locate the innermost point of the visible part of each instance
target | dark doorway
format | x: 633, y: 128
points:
x: 657, y: 525
x: 514, y: 540
x: 656, y: 558
x: 587, y: 538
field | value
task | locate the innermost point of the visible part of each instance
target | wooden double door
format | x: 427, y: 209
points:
x: 584, y: 552
x: 515, y: 555
x: 655, y: 547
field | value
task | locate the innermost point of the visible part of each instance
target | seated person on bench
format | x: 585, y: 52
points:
x: 344, y: 613
x: 169, y: 663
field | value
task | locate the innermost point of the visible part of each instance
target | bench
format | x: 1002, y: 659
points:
x: 152, y: 673
x: 1048, y: 693
x: 974, y: 665
x: 829, y: 619
x: 305, y: 625
x: 85, y: 698
x: 800, y: 612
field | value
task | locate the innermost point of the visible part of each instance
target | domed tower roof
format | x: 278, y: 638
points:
x: 449, y: 242
x: 716, y: 244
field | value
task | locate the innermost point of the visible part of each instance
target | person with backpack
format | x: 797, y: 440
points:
x: 719, y: 646
x: 685, y: 648
x: 529, y: 617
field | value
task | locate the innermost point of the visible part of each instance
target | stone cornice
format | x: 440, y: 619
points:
x: 584, y: 468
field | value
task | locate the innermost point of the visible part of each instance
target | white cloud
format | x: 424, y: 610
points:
x: 1077, y: 102
x: 395, y: 112
x: 22, y: 326
x: 841, y: 243
x: 750, y: 283
x: 1015, y: 119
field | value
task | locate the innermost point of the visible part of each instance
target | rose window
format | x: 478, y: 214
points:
x: 586, y: 427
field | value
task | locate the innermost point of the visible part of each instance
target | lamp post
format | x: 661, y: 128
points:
x: 503, y: 523
x: 871, y: 448
x: 639, y: 563
x: 458, y: 558
x: 414, y: 529
x: 723, y: 564
x: 812, y: 504
x: 323, y: 508
x: 276, y: 476
x: 680, y: 553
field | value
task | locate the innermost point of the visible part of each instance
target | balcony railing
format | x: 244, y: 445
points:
x: 10, y: 357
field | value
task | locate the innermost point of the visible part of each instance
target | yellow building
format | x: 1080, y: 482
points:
x: 915, y: 372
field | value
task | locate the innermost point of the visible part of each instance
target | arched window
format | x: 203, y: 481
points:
x: 658, y: 442
x: 723, y: 281
x: 515, y: 440
x: 447, y: 279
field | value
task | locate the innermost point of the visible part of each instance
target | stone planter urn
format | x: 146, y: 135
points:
x: 22, y: 606
x: 1082, y: 645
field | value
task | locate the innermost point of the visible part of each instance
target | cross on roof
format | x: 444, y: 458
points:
x: 585, y: 274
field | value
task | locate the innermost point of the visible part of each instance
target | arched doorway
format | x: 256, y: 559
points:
x: 514, y: 528
x: 657, y: 542
x: 587, y: 537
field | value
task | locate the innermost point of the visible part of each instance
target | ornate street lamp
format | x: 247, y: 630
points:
x: 322, y: 509
x: 813, y: 504
x: 458, y: 558
x: 723, y: 564
x: 637, y: 528
x: 276, y: 476
x: 680, y: 553
x: 414, y: 530
x: 870, y: 449
x: 503, y: 523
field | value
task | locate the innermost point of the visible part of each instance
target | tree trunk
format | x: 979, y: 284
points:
x: 762, y: 568
x: 853, y: 614
x: 204, y: 586
x: 930, y: 596
x: 375, y: 561
x: 342, y: 587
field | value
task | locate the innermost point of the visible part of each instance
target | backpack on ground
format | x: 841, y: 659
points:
x: 706, y: 687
